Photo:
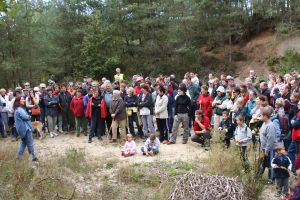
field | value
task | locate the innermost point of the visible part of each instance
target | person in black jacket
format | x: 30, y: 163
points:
x: 65, y: 99
x: 227, y: 128
x: 281, y: 165
x: 182, y: 109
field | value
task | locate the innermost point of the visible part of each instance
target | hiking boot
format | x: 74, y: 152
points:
x: 77, y: 134
x: 90, y: 140
x: 85, y: 133
x: 100, y: 138
x: 113, y: 141
x: 35, y: 160
x: 184, y: 142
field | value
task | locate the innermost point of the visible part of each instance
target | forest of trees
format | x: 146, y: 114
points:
x: 66, y: 39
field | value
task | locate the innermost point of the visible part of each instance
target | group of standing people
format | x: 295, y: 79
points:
x: 264, y: 112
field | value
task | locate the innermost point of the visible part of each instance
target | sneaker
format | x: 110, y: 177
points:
x: 184, y: 142
x: 51, y: 135
x: 78, y: 134
x: 100, y: 138
x: 60, y: 131
x: 165, y: 142
x: 35, y: 160
x: 270, y: 181
x: 55, y: 134
x: 90, y: 141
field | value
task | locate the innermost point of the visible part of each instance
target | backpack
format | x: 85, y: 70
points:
x: 284, y: 124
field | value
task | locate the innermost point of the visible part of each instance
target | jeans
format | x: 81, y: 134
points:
x: 162, y: 128
x: 131, y: 119
x: 184, y: 119
x: 97, y: 128
x: 60, y: 121
x: 51, y: 123
x: 147, y: 124
x: 5, y: 121
x: 26, y: 141
x: 81, y: 122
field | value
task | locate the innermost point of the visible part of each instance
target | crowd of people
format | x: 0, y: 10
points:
x: 264, y: 113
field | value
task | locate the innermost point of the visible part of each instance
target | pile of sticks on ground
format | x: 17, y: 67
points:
x: 194, y: 186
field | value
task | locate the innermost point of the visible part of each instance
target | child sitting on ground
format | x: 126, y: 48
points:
x: 151, y: 146
x: 226, y: 127
x: 129, y: 149
x: 242, y: 135
x: 281, y: 165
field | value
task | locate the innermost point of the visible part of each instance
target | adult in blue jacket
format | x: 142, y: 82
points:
x: 24, y: 128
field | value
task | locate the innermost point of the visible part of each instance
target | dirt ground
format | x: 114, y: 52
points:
x: 104, y: 150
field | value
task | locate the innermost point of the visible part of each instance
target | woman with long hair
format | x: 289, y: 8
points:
x: 23, y: 127
x: 32, y: 105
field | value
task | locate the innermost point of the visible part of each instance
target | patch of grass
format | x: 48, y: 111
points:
x: 74, y: 160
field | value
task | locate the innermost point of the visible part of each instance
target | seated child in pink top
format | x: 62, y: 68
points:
x: 129, y: 149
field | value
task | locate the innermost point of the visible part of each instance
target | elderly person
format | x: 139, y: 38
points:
x: 131, y: 101
x: 118, y: 115
x: 161, y: 114
x: 145, y: 104
x: 4, y: 109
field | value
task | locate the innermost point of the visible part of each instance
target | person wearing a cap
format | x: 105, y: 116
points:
x: 218, y: 106
x: 51, y: 103
x: 267, y: 134
x: 182, y: 111
x: 231, y: 83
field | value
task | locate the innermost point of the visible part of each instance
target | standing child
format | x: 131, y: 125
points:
x: 227, y: 128
x: 129, y: 149
x: 151, y: 146
x: 242, y: 136
x: 281, y: 165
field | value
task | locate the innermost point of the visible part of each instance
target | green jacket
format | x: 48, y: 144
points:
x: 218, y: 111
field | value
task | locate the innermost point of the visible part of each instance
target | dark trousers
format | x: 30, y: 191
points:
x: 162, y: 128
x: 282, y: 183
x: 266, y: 163
x: 68, y: 119
x: 202, y: 138
x: 194, y: 107
x: 35, y: 118
x: 171, y: 120
x: 131, y: 119
x: 1, y: 126
x: 11, y: 123
x: 244, y: 156
x: 108, y: 121
x: 43, y: 118
x: 97, y: 128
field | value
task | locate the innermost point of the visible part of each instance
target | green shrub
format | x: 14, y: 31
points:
x: 290, y: 60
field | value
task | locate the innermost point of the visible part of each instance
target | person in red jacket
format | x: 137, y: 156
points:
x: 77, y: 107
x: 204, y: 102
x: 201, y: 129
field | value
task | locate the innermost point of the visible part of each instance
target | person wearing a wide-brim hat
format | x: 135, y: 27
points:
x: 51, y: 103
x: 218, y: 106
x: 182, y: 110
